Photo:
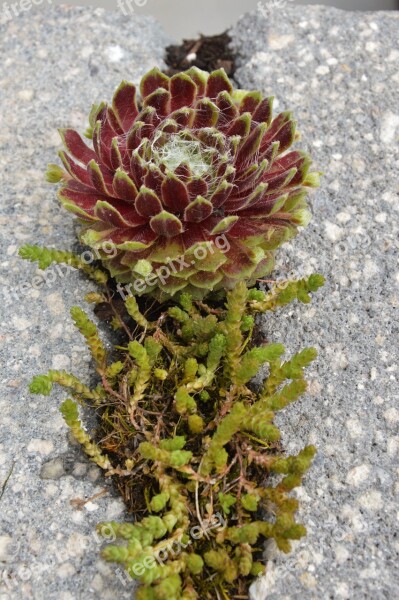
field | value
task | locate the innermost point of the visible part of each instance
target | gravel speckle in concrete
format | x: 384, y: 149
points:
x: 338, y: 72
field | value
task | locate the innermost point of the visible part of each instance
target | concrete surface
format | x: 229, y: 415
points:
x: 338, y: 72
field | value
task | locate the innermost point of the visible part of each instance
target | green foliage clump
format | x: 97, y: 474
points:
x: 191, y: 442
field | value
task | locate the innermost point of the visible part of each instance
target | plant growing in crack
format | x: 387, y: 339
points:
x: 188, y: 440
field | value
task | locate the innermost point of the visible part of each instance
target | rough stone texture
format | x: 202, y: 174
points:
x: 54, y: 64
x: 339, y: 72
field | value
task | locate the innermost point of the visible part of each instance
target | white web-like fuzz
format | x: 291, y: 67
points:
x: 178, y: 151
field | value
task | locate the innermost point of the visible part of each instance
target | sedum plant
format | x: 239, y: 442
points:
x: 190, y: 442
x: 174, y: 166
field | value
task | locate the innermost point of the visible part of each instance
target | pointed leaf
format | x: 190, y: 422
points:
x: 174, y: 193
x: 153, y: 80
x: 106, y: 135
x: 264, y: 112
x: 251, y: 177
x: 281, y: 181
x: 206, y: 114
x: 197, y: 187
x: 222, y: 194
x: 103, y: 152
x: 200, y: 79
x: 252, y: 144
x: 240, y: 126
x: 97, y: 178
x: 115, y: 155
x: 183, y: 90
x: 184, y: 117
x: 138, y: 168
x: 147, y: 203
x: 198, y: 210
x: 218, y: 81
x: 154, y: 178
x: 228, y: 111
x: 160, y: 100
x: 75, y: 170
x: 76, y: 146
x: 166, y: 224
x: 250, y: 102
x: 124, y: 187
x: 124, y: 105
x: 224, y: 224
x: 236, y: 204
x: 281, y: 130
x: 80, y: 202
x: 118, y: 214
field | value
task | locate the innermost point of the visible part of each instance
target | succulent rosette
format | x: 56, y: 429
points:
x: 189, y: 178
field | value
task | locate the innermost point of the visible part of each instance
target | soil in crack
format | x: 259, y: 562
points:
x: 207, y: 53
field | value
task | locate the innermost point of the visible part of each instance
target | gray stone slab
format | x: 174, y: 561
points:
x: 339, y: 73
x: 54, y: 64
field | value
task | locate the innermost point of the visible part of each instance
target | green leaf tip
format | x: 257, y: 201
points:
x: 41, y: 384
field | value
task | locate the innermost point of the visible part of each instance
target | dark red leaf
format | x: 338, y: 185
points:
x: 166, y: 224
x: 227, y: 110
x: 124, y: 105
x: 124, y: 187
x: 84, y: 199
x: 206, y: 114
x: 280, y: 180
x: 183, y: 91
x: 118, y: 213
x: 75, y: 170
x: 250, y: 102
x: 147, y: 203
x: 264, y: 111
x: 76, y: 146
x: 141, y: 236
x: 160, y: 100
x: 153, y: 80
x: 240, y: 126
x: 197, y: 187
x: 154, y: 178
x: 236, y: 204
x: 183, y: 171
x: 251, y: 146
x: 218, y: 82
x: 138, y: 168
x: 193, y: 235
x: 114, y: 121
x: 174, y: 194
x: 198, y: 210
x: 101, y: 179
x: 281, y: 130
x: 200, y: 78
x: 183, y: 117
x: 222, y: 194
